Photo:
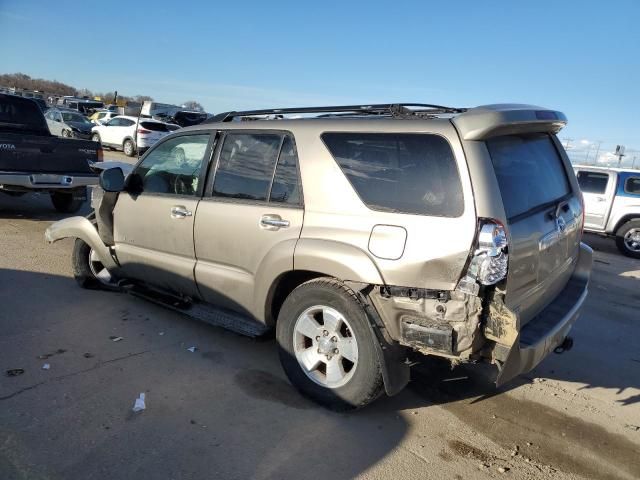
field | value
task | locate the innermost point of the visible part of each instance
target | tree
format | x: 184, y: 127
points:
x: 193, y: 105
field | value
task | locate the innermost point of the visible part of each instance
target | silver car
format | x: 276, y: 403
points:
x: 360, y: 234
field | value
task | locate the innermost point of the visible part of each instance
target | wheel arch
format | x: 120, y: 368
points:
x: 624, y: 219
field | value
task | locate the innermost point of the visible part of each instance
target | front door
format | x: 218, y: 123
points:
x: 154, y: 218
x: 249, y: 220
x: 597, y: 190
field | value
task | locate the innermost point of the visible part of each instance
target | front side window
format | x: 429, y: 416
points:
x: 400, y: 172
x: 246, y: 165
x: 173, y: 167
x: 632, y: 185
x: 592, y: 182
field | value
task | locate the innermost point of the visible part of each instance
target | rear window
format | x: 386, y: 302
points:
x: 529, y: 170
x: 20, y: 113
x: 154, y: 126
x: 592, y: 182
x: 403, y: 173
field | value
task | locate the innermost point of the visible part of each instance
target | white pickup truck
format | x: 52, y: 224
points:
x: 612, y: 205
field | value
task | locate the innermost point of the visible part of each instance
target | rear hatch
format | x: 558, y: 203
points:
x: 151, y: 132
x: 543, y: 212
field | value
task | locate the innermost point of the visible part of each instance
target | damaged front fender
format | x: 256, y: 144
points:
x: 82, y: 228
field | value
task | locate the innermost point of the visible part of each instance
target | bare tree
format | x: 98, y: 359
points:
x: 193, y: 105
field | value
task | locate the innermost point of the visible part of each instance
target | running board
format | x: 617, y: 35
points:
x: 204, y: 312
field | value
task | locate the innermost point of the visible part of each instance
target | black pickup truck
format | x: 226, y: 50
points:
x: 33, y: 160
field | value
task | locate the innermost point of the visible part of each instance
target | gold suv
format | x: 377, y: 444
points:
x: 359, y: 233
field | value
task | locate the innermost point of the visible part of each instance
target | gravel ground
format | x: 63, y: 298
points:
x: 226, y: 410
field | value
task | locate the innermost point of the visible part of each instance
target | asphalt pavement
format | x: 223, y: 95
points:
x: 226, y: 410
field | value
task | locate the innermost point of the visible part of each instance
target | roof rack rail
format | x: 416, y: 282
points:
x: 398, y: 110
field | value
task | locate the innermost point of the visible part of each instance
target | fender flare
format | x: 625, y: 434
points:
x: 82, y: 228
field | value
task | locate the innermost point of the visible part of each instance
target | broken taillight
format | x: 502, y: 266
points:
x: 490, y: 260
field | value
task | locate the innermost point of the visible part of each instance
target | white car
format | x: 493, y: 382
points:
x: 103, y: 116
x: 120, y: 133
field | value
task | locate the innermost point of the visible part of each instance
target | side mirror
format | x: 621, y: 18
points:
x: 112, y: 180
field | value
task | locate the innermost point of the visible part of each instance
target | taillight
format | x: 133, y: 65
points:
x: 100, y: 154
x: 143, y: 131
x: 490, y: 260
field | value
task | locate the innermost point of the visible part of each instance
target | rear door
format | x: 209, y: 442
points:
x: 150, y: 132
x: 598, y: 190
x: 153, y: 219
x: 543, y: 211
x: 250, y: 219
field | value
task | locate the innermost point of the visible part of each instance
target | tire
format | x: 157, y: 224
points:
x: 335, y: 381
x: 66, y: 133
x: 65, y: 202
x: 128, y: 148
x: 95, y: 138
x: 628, y: 238
x: 86, y: 267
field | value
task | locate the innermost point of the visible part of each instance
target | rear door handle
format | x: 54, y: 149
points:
x: 273, y: 222
x: 179, y: 211
x: 600, y: 199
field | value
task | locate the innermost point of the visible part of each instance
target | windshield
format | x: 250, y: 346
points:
x: 74, y: 117
x: 529, y: 170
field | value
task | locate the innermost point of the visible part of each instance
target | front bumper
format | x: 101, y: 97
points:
x: 81, y: 135
x: 551, y: 326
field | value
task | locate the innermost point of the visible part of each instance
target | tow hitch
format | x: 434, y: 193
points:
x: 565, y: 346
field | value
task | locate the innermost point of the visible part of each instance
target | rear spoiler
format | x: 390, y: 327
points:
x: 489, y: 121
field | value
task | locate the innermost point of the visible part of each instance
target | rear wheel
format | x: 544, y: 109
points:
x: 88, y: 270
x: 65, y: 202
x: 327, y: 347
x: 628, y: 238
x: 128, y: 148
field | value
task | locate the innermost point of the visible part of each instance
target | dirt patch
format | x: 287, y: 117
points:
x: 465, y: 450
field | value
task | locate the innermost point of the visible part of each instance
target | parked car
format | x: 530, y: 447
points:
x: 120, y: 133
x: 32, y: 160
x: 359, y: 237
x: 612, y: 205
x: 102, y: 116
x: 68, y: 123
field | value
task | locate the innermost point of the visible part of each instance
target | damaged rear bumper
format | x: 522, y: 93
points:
x: 550, y: 327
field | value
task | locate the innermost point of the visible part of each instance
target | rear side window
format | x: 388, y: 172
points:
x: 20, y: 113
x: 246, y: 165
x: 592, y: 182
x: 397, y: 172
x: 632, y: 185
x: 154, y: 126
x: 529, y: 170
x: 285, y: 188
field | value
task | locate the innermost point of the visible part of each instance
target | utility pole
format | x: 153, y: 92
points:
x: 620, y: 153
x: 595, y: 160
x: 633, y: 165
x: 568, y: 141
x: 586, y: 157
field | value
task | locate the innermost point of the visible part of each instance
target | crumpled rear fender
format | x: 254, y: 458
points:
x: 80, y: 227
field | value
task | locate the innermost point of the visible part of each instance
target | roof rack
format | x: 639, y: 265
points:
x: 396, y: 110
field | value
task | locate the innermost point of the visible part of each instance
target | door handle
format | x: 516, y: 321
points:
x: 273, y: 222
x: 600, y: 199
x: 178, y: 211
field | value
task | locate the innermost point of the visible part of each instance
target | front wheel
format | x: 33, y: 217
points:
x: 95, y: 137
x: 128, y: 148
x: 327, y: 347
x: 628, y: 239
x: 66, y: 133
x: 88, y: 270
x: 66, y: 202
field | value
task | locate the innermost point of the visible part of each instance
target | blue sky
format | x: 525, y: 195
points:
x: 580, y: 57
